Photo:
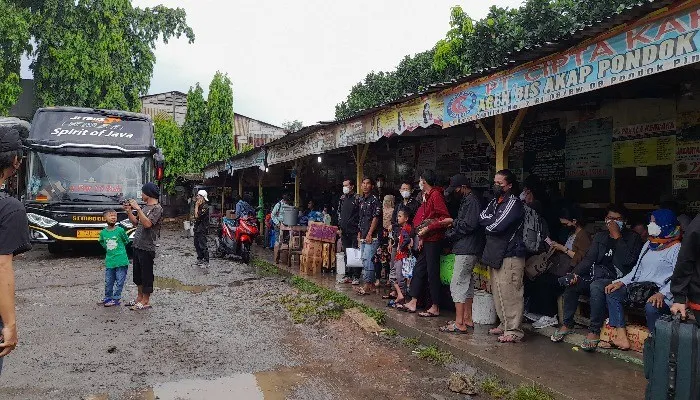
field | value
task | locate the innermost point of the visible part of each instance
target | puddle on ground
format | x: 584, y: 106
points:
x: 272, y: 385
x: 174, y: 284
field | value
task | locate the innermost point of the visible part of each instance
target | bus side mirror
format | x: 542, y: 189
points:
x: 159, y: 161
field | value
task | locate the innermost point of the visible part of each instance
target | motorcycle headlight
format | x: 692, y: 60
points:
x: 126, y: 224
x: 40, y: 220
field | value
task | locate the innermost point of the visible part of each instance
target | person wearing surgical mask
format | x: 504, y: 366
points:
x: 348, y: 222
x: 612, y: 255
x: 656, y: 265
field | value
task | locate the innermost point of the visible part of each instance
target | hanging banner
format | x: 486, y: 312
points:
x: 589, y: 149
x: 349, y: 134
x: 647, y: 152
x: 661, y: 43
x: 687, y: 164
x: 250, y: 159
x: 544, y: 150
x: 304, y: 146
x: 420, y: 113
x: 640, y: 131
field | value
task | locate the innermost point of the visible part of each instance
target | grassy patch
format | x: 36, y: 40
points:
x: 411, y: 342
x: 434, y: 355
x: 390, y: 332
x: 493, y: 388
x: 309, y: 309
x: 265, y: 268
x: 338, y: 298
x: 531, y: 392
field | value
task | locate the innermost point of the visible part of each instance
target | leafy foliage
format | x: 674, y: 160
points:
x: 14, y: 40
x: 195, y: 128
x: 98, y: 53
x: 170, y: 139
x: 471, y: 45
x: 219, y: 145
x: 292, y: 126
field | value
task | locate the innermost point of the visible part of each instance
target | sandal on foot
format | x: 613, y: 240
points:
x: 452, y: 328
x: 611, y: 346
x: 559, y: 336
x: 509, y: 339
x: 140, y: 306
x: 130, y: 303
x: 496, y: 331
x: 404, y: 308
x: 389, y: 297
x: 428, y: 314
x: 589, y: 345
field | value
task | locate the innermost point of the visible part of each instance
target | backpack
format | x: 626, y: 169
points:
x: 532, y: 230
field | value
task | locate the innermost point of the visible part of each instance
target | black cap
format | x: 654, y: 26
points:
x: 9, y: 139
x: 151, y: 190
x: 457, y: 181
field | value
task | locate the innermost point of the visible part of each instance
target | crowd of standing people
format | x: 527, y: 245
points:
x: 536, y: 250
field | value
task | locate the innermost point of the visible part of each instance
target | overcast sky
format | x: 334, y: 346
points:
x: 297, y: 59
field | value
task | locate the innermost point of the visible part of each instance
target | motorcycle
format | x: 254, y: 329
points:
x: 237, y: 239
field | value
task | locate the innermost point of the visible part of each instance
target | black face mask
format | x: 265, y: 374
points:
x: 498, y: 190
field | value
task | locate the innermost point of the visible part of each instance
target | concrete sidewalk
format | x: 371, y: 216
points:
x: 561, y: 367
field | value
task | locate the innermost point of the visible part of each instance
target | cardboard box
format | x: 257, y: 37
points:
x: 636, y: 334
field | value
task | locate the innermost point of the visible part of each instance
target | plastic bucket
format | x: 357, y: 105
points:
x: 290, y: 216
x: 484, y: 309
x: 340, y: 266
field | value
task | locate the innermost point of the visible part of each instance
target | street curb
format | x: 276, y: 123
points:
x: 474, y: 360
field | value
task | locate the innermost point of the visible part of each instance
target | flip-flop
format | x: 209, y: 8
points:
x: 140, y: 306
x: 130, y: 303
x: 589, y: 345
x: 509, y: 339
x: 388, y: 297
x: 452, y: 328
x: 496, y: 332
x: 611, y: 346
x: 403, y: 308
x: 428, y: 314
x: 558, y: 336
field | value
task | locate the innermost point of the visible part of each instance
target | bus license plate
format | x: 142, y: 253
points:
x: 89, y: 234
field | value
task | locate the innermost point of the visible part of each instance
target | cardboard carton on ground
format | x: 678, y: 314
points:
x: 636, y: 334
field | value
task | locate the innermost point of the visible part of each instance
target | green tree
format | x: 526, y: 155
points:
x: 450, y: 53
x: 170, y: 139
x: 220, y: 112
x: 292, y: 126
x: 98, y: 53
x: 195, y: 129
x: 14, y: 41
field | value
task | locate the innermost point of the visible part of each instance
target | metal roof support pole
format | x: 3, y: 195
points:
x: 261, y: 213
x: 240, y: 183
x: 297, y: 182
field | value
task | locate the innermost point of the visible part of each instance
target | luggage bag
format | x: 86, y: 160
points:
x: 672, y: 360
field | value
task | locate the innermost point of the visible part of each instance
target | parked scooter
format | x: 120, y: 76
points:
x: 236, y: 238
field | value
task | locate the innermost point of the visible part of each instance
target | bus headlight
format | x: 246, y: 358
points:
x: 40, y: 220
x: 126, y: 224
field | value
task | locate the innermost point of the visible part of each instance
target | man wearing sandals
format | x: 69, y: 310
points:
x: 368, y: 236
x: 612, y: 255
x: 146, y: 221
x: 467, y: 237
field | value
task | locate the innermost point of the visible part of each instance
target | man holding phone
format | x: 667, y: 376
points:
x: 146, y: 220
x: 14, y: 238
x: 612, y: 255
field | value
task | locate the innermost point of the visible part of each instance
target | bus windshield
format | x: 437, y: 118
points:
x: 62, y: 178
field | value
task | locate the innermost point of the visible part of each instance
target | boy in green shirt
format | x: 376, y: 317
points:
x: 114, y: 239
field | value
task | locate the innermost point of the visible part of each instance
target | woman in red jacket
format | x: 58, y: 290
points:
x: 430, y: 221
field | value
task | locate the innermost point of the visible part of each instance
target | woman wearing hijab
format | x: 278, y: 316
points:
x: 655, y: 264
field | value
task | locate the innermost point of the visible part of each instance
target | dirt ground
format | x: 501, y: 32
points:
x: 216, y: 333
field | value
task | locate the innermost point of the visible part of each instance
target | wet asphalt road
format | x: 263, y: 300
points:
x: 213, y: 334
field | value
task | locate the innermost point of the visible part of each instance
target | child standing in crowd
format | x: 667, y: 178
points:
x: 402, y: 251
x: 114, y: 239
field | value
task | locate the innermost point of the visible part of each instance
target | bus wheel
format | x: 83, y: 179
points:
x: 55, y: 248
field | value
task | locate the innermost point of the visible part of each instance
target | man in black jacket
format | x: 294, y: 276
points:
x: 612, y: 255
x: 349, y: 224
x: 467, y: 236
x: 685, y: 283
